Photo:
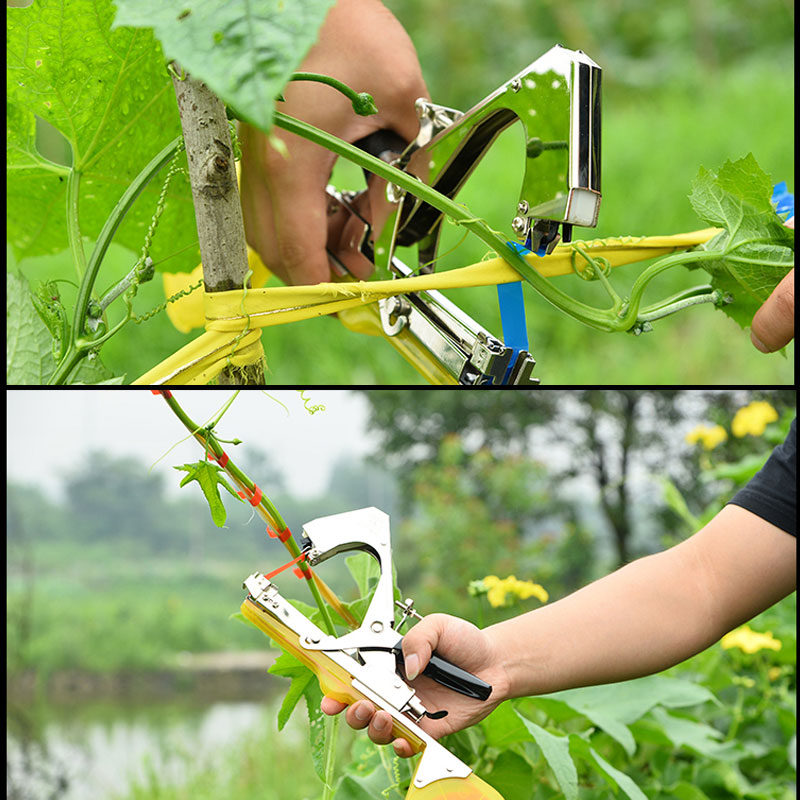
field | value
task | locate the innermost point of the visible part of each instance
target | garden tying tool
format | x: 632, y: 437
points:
x: 366, y: 663
x: 557, y: 101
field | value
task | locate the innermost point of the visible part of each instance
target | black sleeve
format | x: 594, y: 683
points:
x: 772, y: 492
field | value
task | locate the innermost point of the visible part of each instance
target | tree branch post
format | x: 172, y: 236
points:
x: 218, y: 212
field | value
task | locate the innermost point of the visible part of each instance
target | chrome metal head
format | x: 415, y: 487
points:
x: 557, y: 101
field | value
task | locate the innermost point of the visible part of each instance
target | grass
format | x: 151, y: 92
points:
x: 266, y: 763
x: 115, y: 614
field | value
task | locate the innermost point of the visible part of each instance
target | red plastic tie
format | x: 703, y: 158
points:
x: 165, y: 392
x: 275, y: 572
x: 282, y: 535
x: 222, y: 460
x: 255, y: 498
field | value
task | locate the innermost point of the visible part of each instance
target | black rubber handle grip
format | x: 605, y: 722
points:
x: 384, y: 144
x: 449, y: 675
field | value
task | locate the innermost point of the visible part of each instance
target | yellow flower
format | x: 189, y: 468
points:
x: 749, y: 641
x: 753, y: 418
x: 710, y: 436
x: 504, y: 592
x: 774, y: 673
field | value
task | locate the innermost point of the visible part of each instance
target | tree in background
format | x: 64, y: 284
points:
x: 604, y: 436
x: 473, y: 514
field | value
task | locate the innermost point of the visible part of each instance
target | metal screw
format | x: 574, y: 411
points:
x: 518, y: 224
x: 522, y: 208
x: 516, y: 85
x: 394, y: 194
x: 376, y: 626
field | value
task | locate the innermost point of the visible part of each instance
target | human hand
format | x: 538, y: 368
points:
x: 773, y: 323
x: 283, y: 193
x: 461, y: 643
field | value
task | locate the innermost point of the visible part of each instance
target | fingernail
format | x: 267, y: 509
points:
x: 380, y: 722
x: 758, y: 343
x: 412, y: 666
x: 362, y: 712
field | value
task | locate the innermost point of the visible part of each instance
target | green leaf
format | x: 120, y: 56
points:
x: 317, y: 738
x: 210, y: 477
x: 685, y: 791
x: 297, y: 690
x: 29, y: 352
x: 614, y: 706
x: 287, y: 666
x: 698, y: 736
x: 755, y: 249
x: 504, y: 727
x: 365, y: 571
x: 110, y: 96
x: 243, y: 51
x: 677, y: 503
x: 29, y: 355
x: 511, y: 775
x: 555, y: 750
x: 617, y: 778
x: 739, y: 471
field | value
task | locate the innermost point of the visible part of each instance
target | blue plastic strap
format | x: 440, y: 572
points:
x: 783, y: 199
x: 512, y: 314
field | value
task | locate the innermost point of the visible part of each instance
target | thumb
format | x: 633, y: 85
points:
x: 773, y: 323
x: 420, y: 642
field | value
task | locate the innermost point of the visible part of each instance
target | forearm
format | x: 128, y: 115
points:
x: 628, y: 624
x: 653, y: 613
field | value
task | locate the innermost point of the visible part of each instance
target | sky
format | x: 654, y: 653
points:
x: 49, y: 429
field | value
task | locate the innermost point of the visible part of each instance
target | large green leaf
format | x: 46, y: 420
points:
x: 511, y: 775
x: 614, y: 706
x: 243, y: 50
x: 504, y: 727
x: 29, y: 356
x: 555, y: 749
x: 756, y: 250
x: 109, y: 94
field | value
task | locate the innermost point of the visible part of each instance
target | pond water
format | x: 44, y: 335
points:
x: 97, y: 749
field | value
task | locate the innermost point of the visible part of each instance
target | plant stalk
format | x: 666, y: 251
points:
x: 265, y: 509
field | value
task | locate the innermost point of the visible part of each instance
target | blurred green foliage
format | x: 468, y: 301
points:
x: 640, y: 45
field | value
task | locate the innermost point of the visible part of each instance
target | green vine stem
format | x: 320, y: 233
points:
x: 630, y: 312
x: 591, y: 316
x: 79, y: 346
x: 73, y: 223
x: 205, y: 436
x: 690, y: 297
x: 331, y: 739
x: 363, y: 104
x: 621, y: 317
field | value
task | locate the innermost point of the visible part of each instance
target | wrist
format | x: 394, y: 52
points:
x: 519, y: 658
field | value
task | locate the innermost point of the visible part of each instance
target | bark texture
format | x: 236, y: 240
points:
x: 218, y: 212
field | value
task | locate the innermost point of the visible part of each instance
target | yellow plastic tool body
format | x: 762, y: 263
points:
x: 337, y: 682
